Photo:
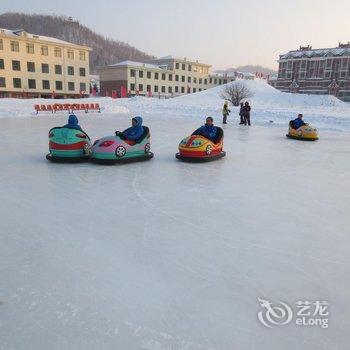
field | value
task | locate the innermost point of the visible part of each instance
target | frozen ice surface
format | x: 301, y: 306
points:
x: 170, y: 255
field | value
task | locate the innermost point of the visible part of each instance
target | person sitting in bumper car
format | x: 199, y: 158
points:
x: 134, y: 132
x: 298, y: 122
x: 208, y: 130
x: 73, y: 123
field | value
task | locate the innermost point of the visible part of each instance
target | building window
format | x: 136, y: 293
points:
x: 30, y: 48
x: 149, y: 75
x: 199, y: 89
x: 16, y: 65
x: 71, y: 86
x: 70, y: 70
x: 215, y: 81
x: 183, y: 66
x: 170, y: 77
x: 58, y: 69
x: 163, y: 88
x: 44, y: 51
x: 57, y: 52
x: 140, y: 73
x: 188, y: 79
x: 163, y: 76
x: 132, y: 86
x: 1, y: 44
x: 200, y: 80
x: 176, y: 78
x: 82, y: 87
x: 182, y: 90
x: 170, y: 90
x: 2, y: 82
x: 155, y: 88
x: 156, y: 76
x: 2, y: 65
x: 30, y: 66
x: 194, y: 90
x: 31, y: 83
x: 183, y: 78
x: 206, y: 81
x: 17, y: 83
x: 14, y: 46
x: 82, y: 55
x: 195, y: 80
x: 140, y: 86
x: 176, y: 89
x: 44, y: 68
x: 59, y: 85
x: 189, y: 67
x: 210, y: 81
x: 177, y: 65
x: 70, y: 55
x: 148, y: 88
x: 82, y: 72
x: 132, y: 72
x: 46, y: 84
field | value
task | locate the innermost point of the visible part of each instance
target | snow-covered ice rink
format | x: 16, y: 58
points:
x: 170, y: 255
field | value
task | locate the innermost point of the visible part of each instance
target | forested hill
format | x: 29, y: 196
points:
x: 105, y: 51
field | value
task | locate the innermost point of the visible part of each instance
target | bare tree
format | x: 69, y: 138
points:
x: 236, y: 92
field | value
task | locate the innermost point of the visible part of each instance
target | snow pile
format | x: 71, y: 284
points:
x: 268, y: 105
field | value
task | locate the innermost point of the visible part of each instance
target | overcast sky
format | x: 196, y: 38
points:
x: 224, y: 33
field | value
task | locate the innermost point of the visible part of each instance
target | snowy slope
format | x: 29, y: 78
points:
x: 268, y: 104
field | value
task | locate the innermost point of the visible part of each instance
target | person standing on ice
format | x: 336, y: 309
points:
x: 298, y: 122
x: 73, y: 123
x: 134, y: 132
x: 241, y: 113
x: 225, y: 113
x: 246, y: 113
x: 208, y: 130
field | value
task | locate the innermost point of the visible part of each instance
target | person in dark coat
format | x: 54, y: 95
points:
x: 298, y: 122
x: 241, y: 114
x: 134, y: 132
x: 73, y: 123
x: 246, y: 113
x: 225, y: 113
x: 208, y: 130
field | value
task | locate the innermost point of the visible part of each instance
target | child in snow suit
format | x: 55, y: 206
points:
x: 134, y: 132
x: 73, y: 123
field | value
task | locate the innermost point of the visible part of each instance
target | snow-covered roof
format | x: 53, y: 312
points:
x: 184, y: 59
x: 18, y: 33
x: 339, y: 51
x: 135, y: 64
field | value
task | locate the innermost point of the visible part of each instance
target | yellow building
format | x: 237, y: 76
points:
x: 167, y: 76
x: 39, y: 66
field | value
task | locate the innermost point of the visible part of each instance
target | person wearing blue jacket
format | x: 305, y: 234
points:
x: 134, y: 132
x: 208, y: 130
x: 298, y: 122
x: 73, y: 123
